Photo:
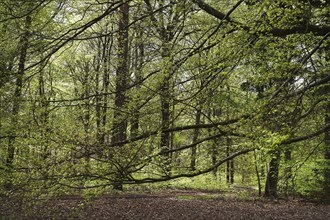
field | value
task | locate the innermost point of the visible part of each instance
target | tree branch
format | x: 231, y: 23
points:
x: 277, y: 32
x: 180, y: 128
x: 210, y: 10
x: 306, y: 137
x: 192, y: 174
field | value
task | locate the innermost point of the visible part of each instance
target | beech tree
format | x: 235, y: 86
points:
x: 113, y: 93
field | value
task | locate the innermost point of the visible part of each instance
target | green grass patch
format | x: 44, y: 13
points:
x: 200, y: 197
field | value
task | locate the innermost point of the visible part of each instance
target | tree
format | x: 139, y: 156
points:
x: 131, y: 92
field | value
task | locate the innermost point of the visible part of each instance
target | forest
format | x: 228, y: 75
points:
x: 100, y: 96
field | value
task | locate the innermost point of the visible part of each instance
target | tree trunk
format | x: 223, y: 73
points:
x: 195, y: 138
x: 44, y: 116
x: 86, y: 118
x: 165, y: 27
x: 257, y: 171
x: 165, y: 117
x: 230, y: 164
x: 288, y: 171
x: 18, y: 91
x: 326, y: 184
x: 97, y: 67
x: 139, y: 59
x: 232, y: 171
x: 107, y: 46
x: 272, y: 175
x: 165, y: 101
x: 119, y: 120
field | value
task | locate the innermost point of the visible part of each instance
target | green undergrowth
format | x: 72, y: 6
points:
x: 201, y: 187
x: 205, y: 182
x: 228, y: 194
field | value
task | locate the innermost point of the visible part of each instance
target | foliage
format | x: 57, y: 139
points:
x: 96, y: 95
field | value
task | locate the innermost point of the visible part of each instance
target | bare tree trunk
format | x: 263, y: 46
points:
x: 230, y: 164
x: 257, y: 171
x: 232, y: 171
x: 195, y: 138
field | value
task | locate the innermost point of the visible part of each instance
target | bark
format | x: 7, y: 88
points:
x: 229, y: 164
x: 288, y: 170
x: 97, y: 92
x: 106, y: 50
x: 18, y: 91
x: 86, y: 93
x: 119, y: 121
x: 232, y: 171
x: 44, y: 117
x: 214, y: 157
x: 165, y: 118
x: 193, y: 155
x: 214, y: 143
x: 272, y: 175
x: 257, y: 171
x: 326, y: 173
x: 326, y: 184
x: 166, y: 36
x: 139, y: 59
x: 86, y: 117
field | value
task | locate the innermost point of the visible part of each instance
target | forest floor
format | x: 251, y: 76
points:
x: 169, y: 204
